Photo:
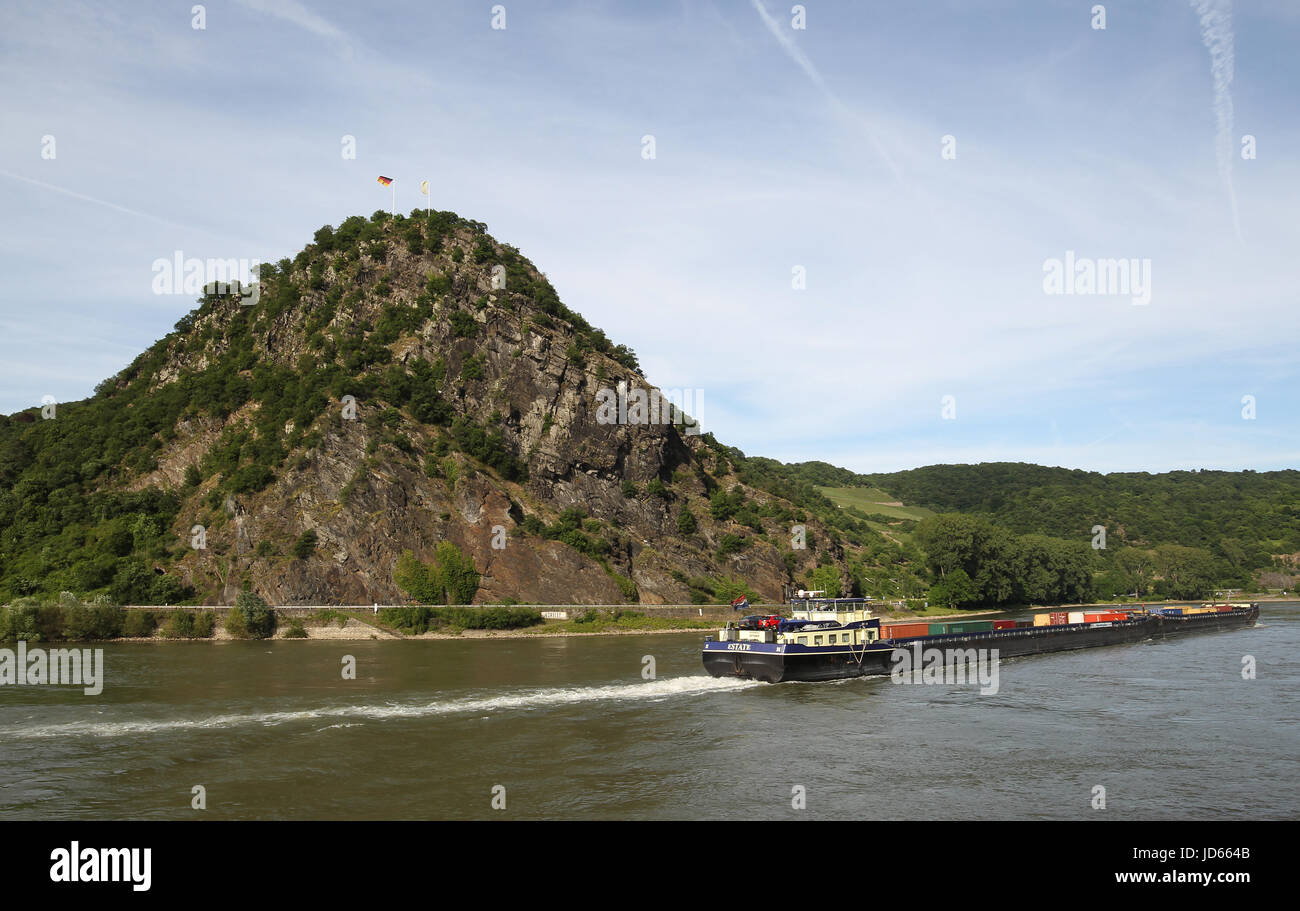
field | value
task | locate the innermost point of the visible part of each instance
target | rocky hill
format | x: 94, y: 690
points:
x: 403, y: 381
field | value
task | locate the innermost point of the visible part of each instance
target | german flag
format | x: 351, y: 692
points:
x: 385, y: 180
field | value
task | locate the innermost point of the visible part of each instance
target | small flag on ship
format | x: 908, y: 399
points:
x: 741, y: 603
x: 385, y: 180
x: 388, y: 182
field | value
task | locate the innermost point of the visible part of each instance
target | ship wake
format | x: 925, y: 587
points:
x: 522, y: 700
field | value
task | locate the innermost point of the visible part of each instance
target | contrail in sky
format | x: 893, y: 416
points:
x: 115, y: 207
x: 1216, y: 33
x: 781, y: 34
x: 82, y: 196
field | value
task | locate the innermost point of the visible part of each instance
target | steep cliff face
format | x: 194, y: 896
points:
x: 405, y: 381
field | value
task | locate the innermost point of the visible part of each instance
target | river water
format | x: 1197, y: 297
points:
x: 569, y: 728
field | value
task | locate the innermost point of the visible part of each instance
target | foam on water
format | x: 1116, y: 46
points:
x: 527, y: 699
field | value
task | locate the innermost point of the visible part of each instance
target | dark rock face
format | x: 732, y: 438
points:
x: 372, y: 489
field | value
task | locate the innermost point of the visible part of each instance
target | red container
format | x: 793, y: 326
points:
x: 1004, y: 624
x: 904, y: 630
x: 1223, y: 608
x: 1109, y: 616
x: 1059, y: 619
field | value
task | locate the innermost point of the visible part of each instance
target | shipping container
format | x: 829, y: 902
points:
x: 970, y: 626
x: 1075, y: 616
x: 938, y: 629
x: 1042, y: 619
x: 1224, y: 608
x: 1059, y: 618
x: 904, y: 630
x: 1004, y: 624
x: 1109, y: 616
x: 1024, y: 624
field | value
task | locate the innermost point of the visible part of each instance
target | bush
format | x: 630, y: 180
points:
x: 92, y: 622
x: 179, y: 625
x: 492, y: 617
x: 686, y: 522
x: 726, y: 590
x: 255, y: 616
x: 422, y: 618
x: 463, y: 325
x: 305, y: 545
x: 250, y: 478
x: 625, y: 585
x: 139, y: 624
x: 76, y: 621
x: 18, y: 621
x: 295, y: 630
x: 451, y: 578
x: 731, y: 544
x: 204, y: 623
x: 236, y: 624
x: 50, y: 622
x: 723, y: 506
x: 414, y: 620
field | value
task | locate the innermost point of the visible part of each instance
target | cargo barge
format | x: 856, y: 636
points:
x: 834, y: 638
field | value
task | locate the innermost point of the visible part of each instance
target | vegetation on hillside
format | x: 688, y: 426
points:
x: 450, y: 578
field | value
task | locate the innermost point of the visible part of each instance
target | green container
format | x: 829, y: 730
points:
x: 938, y: 629
x: 971, y: 626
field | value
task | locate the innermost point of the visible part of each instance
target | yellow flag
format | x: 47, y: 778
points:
x: 424, y: 187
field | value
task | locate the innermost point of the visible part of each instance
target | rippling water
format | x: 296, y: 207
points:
x: 570, y: 729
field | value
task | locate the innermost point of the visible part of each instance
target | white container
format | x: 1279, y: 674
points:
x: 1076, y: 616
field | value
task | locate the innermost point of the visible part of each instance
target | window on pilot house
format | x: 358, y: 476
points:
x: 817, y: 640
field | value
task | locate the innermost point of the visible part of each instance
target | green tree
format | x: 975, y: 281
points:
x: 827, y: 579
x: 954, y: 590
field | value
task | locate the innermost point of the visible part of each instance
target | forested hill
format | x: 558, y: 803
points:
x: 1182, y: 534
x: 406, y: 388
x: 1237, y: 514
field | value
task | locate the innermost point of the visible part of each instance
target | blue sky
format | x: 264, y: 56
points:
x: 775, y: 147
